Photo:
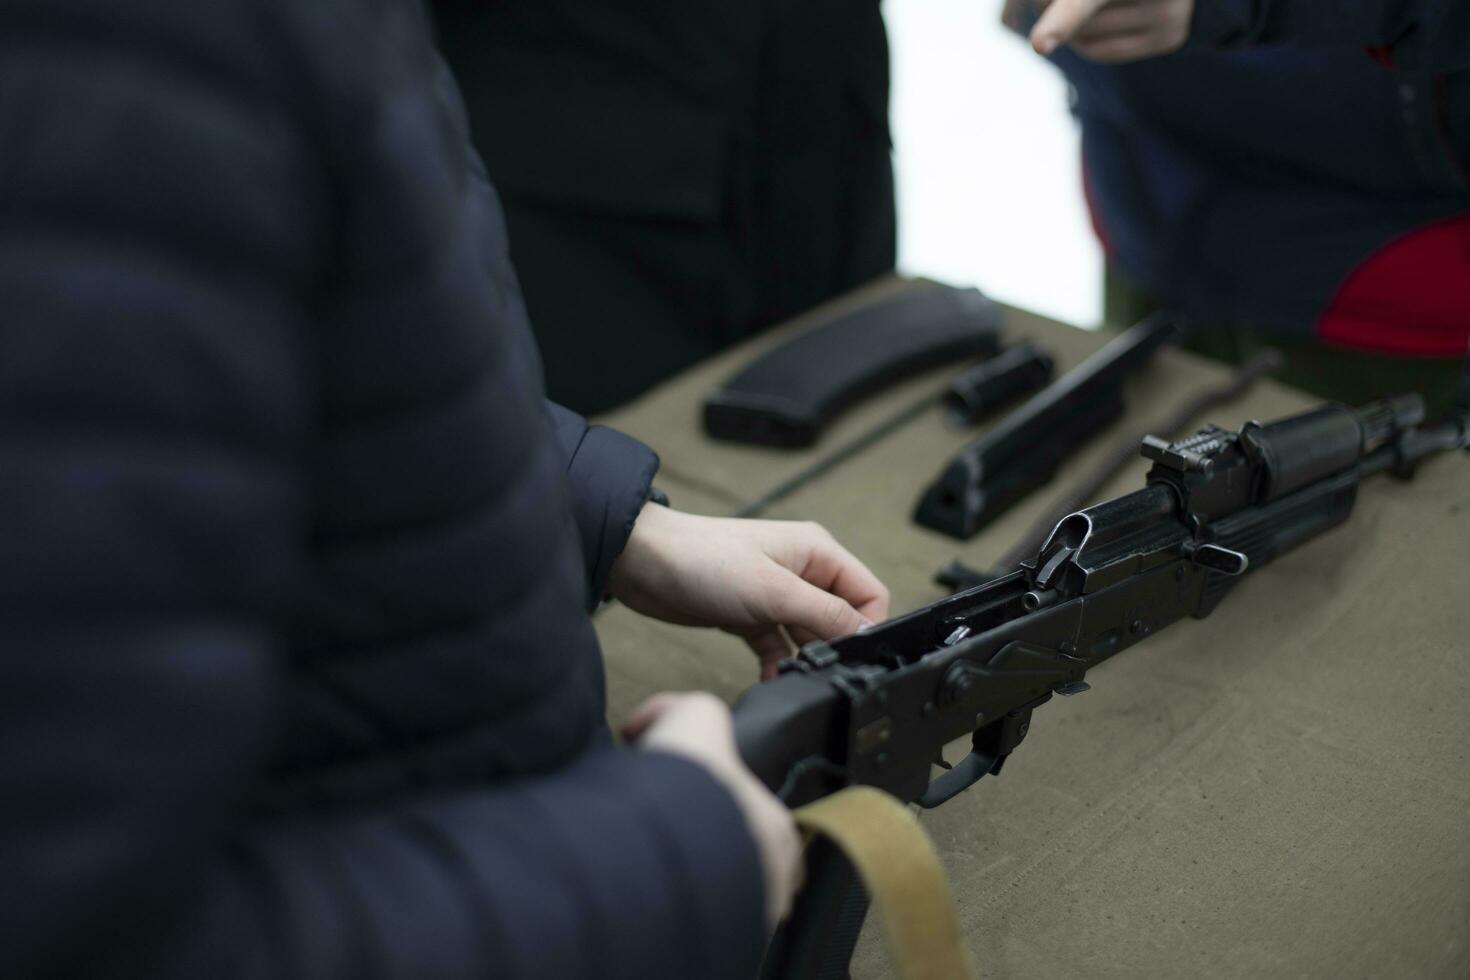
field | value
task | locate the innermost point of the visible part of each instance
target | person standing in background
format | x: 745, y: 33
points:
x: 1287, y: 175
x: 676, y: 174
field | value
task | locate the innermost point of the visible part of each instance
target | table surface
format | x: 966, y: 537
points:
x: 1278, y: 790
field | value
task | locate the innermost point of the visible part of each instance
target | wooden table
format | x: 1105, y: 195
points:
x: 1277, y: 791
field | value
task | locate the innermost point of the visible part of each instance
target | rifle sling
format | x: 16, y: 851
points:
x: 902, y: 875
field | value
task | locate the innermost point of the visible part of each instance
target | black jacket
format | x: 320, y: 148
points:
x: 296, y: 676
x: 677, y: 174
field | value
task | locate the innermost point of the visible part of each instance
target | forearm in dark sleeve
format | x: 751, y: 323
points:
x: 123, y: 751
x: 589, y: 873
x: 609, y: 474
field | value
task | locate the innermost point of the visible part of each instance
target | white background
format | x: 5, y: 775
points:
x: 987, y: 164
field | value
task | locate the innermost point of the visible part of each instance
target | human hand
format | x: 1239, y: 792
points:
x: 763, y: 581
x: 698, y: 727
x: 1113, y: 31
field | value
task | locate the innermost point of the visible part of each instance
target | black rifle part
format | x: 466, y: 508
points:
x: 992, y: 384
x: 877, y: 707
x: 1025, y: 449
x: 958, y: 575
x: 787, y: 395
x: 832, y: 903
x: 977, y: 391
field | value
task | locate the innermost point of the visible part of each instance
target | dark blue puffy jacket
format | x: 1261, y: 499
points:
x: 296, y: 673
x: 1299, y: 166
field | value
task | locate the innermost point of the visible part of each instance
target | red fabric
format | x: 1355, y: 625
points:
x: 1383, y: 54
x: 1092, y: 215
x: 1410, y: 297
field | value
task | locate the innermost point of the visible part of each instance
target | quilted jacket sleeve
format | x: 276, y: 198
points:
x: 610, y: 474
x: 159, y: 214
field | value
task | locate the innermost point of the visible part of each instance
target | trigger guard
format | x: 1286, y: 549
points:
x: 965, y: 773
x: 989, y: 748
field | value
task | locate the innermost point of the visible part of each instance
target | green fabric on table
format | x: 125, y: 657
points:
x: 1217, y: 804
x: 1336, y: 373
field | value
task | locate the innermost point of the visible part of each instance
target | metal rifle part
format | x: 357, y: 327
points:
x: 1025, y: 449
x: 989, y: 385
x: 980, y: 389
x: 958, y: 575
x: 789, y: 393
x: 876, y: 708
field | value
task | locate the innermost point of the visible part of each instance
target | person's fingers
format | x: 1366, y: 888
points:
x: 1115, y: 21
x: 798, y: 604
x: 1016, y: 14
x: 802, y: 637
x: 875, y: 610
x: 1115, y: 50
x: 650, y: 711
x: 771, y: 647
x: 698, y: 726
x: 1059, y: 21
x: 1124, y: 48
x: 828, y: 565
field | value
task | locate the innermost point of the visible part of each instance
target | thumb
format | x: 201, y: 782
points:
x: 646, y: 714
x: 771, y: 647
x: 803, y: 606
x: 1060, y: 21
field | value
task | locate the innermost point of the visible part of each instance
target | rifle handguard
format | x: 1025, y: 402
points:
x: 1025, y: 449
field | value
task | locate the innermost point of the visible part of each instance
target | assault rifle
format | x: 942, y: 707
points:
x: 876, y: 708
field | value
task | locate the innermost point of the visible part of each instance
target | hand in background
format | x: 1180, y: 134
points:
x: 698, y: 727
x: 1113, y: 31
x: 769, y: 582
